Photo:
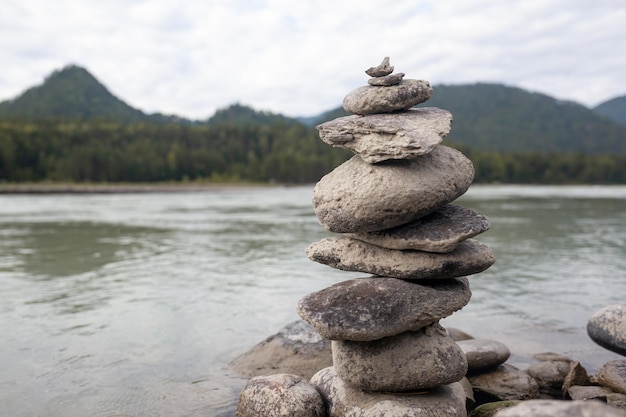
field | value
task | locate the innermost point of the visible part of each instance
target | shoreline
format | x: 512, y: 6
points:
x: 122, y: 188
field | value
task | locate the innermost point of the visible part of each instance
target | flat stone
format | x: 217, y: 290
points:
x: 296, y: 349
x: 344, y: 401
x: 387, y: 80
x: 408, y: 361
x: 440, y: 231
x: 371, y: 308
x: 506, y: 382
x: 374, y: 99
x: 557, y: 408
x: 607, y: 328
x: 551, y: 356
x: 381, y: 70
x: 613, y: 375
x: 379, y: 137
x: 583, y: 392
x: 483, y: 354
x: 470, y: 257
x: 280, y: 395
x: 361, y: 197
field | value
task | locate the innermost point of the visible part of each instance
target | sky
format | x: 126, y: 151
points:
x: 300, y: 58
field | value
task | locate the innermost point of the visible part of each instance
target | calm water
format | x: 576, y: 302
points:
x: 134, y: 303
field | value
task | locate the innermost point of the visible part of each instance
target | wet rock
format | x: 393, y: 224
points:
x: 504, y: 383
x: 379, y: 137
x: 557, y: 408
x: 381, y: 70
x: 439, y: 232
x: 370, y: 99
x: 280, y: 395
x: 408, y: 361
x: 296, y: 349
x: 361, y: 197
x: 483, y: 354
x: 612, y: 375
x: 550, y: 376
x: 577, y: 375
x: 343, y: 401
x: 607, y: 328
x: 470, y: 257
x: 387, y: 80
x: 365, y: 309
x: 490, y: 409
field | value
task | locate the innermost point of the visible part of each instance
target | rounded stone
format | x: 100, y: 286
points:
x: 386, y: 99
x: 558, y: 408
x: 280, y: 395
x: 549, y: 374
x: 506, y: 382
x: 470, y: 257
x: 361, y: 197
x: 607, y: 328
x: 483, y: 354
x: 408, y: 361
x: 342, y: 400
x: 365, y: 309
x: 439, y: 232
x: 612, y: 375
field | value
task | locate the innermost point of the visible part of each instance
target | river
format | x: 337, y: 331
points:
x: 135, y: 303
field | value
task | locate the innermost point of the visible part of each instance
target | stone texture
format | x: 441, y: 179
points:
x: 387, y: 80
x: 379, y: 137
x: 440, y: 231
x: 556, y: 408
x: 576, y: 376
x: 607, y: 328
x: 361, y: 197
x: 613, y: 375
x: 580, y: 392
x: 296, y: 349
x: 483, y: 354
x: 365, y: 309
x: 504, y: 383
x: 369, y: 99
x: 381, y: 70
x: 408, y: 361
x: 343, y: 401
x: 280, y: 395
x: 458, y: 335
x: 490, y: 409
x: 550, y: 376
x: 470, y: 257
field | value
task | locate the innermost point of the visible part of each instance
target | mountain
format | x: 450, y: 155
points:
x: 72, y: 93
x: 241, y: 115
x: 614, y: 109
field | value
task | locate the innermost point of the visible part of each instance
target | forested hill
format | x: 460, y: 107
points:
x: 614, y: 109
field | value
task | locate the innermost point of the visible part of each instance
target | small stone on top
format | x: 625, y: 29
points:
x: 380, y: 71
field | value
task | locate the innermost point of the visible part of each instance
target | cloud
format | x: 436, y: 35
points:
x: 190, y: 58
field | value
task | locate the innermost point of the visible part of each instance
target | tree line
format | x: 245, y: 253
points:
x: 290, y: 153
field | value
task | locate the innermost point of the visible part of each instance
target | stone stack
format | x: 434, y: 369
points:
x: 390, y: 207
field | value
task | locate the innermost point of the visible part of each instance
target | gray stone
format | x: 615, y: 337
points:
x: 280, y: 395
x: 506, y: 382
x: 470, y: 257
x: 296, y: 349
x: 365, y: 309
x: 381, y: 70
x: 483, y: 354
x: 616, y: 400
x: 370, y: 99
x: 613, y: 375
x: 577, y: 375
x: 457, y: 335
x: 343, y: 401
x: 581, y: 392
x: 557, y: 408
x: 387, y: 80
x: 408, y: 361
x: 440, y: 231
x: 490, y: 409
x: 550, y: 376
x: 551, y: 356
x: 361, y: 197
x: 607, y: 328
x: 379, y: 137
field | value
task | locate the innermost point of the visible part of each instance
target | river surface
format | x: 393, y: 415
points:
x: 135, y: 303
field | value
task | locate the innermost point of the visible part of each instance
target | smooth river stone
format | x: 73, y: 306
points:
x: 558, y: 408
x: 370, y: 308
x: 607, y: 328
x: 361, y: 197
x: 379, y: 137
x: 386, y: 99
x: 470, y: 257
x: 506, y: 382
x: 483, y: 354
x: 408, y: 361
x: 440, y: 231
x: 344, y: 401
x: 612, y: 375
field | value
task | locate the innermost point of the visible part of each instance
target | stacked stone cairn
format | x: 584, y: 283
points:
x: 390, y: 206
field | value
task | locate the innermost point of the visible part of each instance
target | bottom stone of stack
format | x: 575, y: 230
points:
x: 409, y: 361
x: 344, y: 401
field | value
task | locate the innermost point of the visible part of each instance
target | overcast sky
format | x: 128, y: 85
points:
x: 300, y: 58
